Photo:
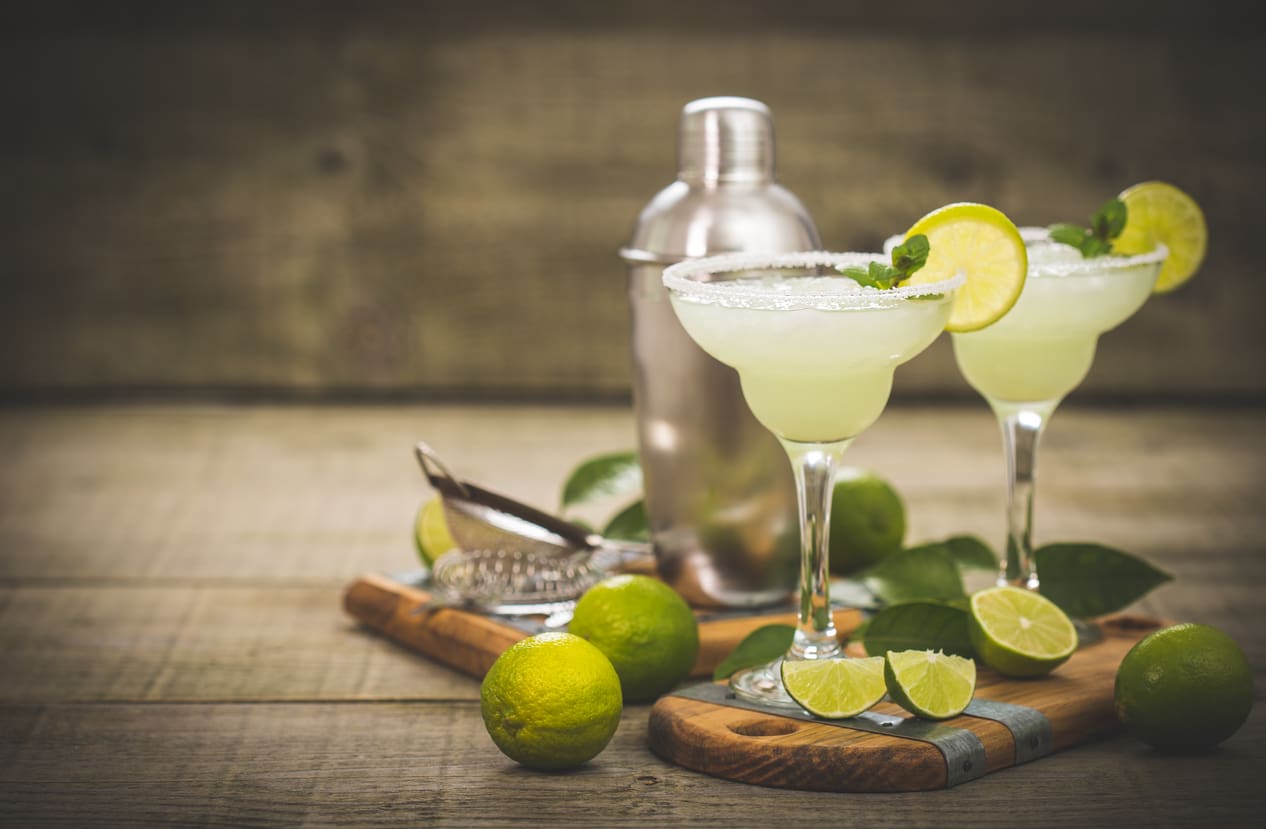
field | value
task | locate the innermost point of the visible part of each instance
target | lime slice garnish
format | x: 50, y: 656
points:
x: 930, y: 684
x: 1160, y: 212
x: 835, y: 688
x: 982, y: 244
x: 1019, y: 632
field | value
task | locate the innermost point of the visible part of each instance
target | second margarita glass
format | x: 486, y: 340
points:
x: 815, y: 352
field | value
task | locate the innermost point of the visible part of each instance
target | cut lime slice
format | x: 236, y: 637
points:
x: 1160, y: 212
x: 981, y: 243
x: 930, y: 684
x: 835, y: 688
x: 1019, y: 632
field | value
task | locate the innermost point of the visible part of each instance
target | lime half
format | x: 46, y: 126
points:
x: 1160, y: 212
x: 1019, y: 632
x: 835, y: 688
x: 930, y: 684
x: 981, y: 243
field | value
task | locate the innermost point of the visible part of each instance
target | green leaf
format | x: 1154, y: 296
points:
x: 970, y: 553
x: 630, y: 523
x: 1067, y: 234
x: 1109, y: 221
x: 618, y: 473
x: 1088, y: 580
x: 911, y: 256
x: 926, y: 572
x: 918, y: 626
x: 877, y: 275
x: 765, y: 644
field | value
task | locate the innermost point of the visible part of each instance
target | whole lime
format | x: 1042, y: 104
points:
x: 644, y: 627
x: 430, y: 532
x: 868, y: 520
x: 551, y: 701
x: 1184, y: 688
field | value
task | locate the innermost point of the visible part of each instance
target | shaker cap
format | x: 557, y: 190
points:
x: 725, y: 139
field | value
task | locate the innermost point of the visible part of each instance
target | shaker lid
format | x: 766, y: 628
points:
x: 725, y: 139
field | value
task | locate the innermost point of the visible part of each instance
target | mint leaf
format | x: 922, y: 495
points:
x: 629, y: 524
x: 877, y: 275
x: 911, y: 256
x: 926, y: 572
x: 1088, y: 580
x: 906, y: 259
x: 1106, y: 225
x: 1109, y: 221
x: 918, y: 626
x: 765, y: 644
x: 616, y: 473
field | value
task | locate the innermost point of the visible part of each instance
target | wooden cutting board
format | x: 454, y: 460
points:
x: 1076, y: 702
x: 470, y: 642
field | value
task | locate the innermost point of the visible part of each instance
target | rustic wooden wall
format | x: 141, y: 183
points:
x: 427, y: 198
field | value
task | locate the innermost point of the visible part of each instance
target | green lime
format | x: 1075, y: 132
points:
x: 430, y: 532
x: 644, y: 627
x: 1160, y: 212
x: 1019, y: 632
x: 835, y: 688
x: 868, y: 520
x: 930, y: 684
x: 551, y: 701
x: 1184, y: 688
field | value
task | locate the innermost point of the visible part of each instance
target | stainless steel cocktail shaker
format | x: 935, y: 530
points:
x: 718, y: 487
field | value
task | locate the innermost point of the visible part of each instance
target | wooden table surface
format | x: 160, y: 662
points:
x: 174, y: 652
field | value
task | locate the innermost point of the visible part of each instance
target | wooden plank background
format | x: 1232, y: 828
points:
x: 426, y: 199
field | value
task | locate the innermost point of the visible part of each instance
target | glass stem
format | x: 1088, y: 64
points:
x: 814, y: 467
x: 1021, y: 431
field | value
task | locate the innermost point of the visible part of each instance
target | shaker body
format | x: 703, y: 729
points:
x: 720, y: 496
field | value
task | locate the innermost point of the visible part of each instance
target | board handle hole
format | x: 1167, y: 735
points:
x: 763, y: 728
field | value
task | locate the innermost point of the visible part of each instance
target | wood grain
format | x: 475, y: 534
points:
x: 409, y: 199
x: 769, y: 750
x: 173, y: 651
x: 470, y: 642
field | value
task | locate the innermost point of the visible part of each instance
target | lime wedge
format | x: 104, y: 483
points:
x: 1019, y: 632
x: 930, y: 684
x: 835, y: 688
x: 982, y: 244
x: 430, y: 532
x: 1160, y: 212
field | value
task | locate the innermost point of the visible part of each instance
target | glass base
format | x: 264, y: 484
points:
x: 763, y: 686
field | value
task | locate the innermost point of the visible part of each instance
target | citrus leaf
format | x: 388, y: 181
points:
x: 970, y: 553
x: 1088, y: 580
x: 630, y: 523
x: 918, y: 626
x: 925, y: 572
x: 617, y: 473
x: 765, y: 644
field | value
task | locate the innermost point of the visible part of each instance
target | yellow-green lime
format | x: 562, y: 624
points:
x: 430, y: 532
x: 868, y: 520
x: 981, y: 243
x: 835, y: 688
x: 1160, y: 212
x: 1019, y: 632
x: 1184, y: 688
x: 551, y: 701
x: 930, y: 684
x: 644, y: 627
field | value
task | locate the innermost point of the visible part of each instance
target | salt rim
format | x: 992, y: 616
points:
x: 1098, y: 264
x: 747, y: 294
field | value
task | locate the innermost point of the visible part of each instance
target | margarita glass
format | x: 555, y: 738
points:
x: 1026, y: 362
x: 815, y: 352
